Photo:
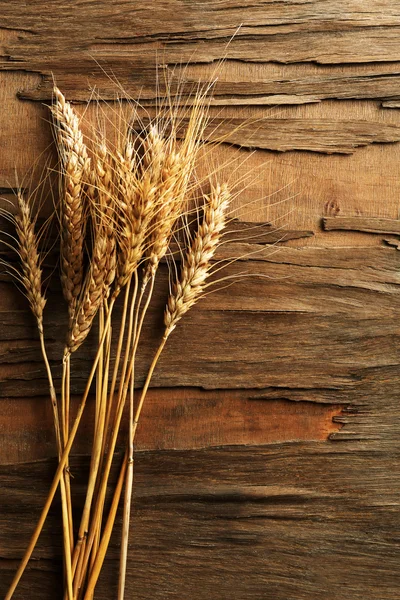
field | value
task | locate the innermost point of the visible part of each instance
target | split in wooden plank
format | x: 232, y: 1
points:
x: 238, y: 84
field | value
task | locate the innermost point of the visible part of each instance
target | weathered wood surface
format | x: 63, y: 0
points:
x: 294, y: 134
x: 328, y: 32
x: 293, y: 190
x: 281, y: 393
x: 191, y: 418
x: 371, y: 225
x: 296, y: 318
x: 296, y: 520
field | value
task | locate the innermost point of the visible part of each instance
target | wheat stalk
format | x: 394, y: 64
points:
x: 100, y: 278
x: 27, y: 246
x: 75, y: 167
x: 185, y: 293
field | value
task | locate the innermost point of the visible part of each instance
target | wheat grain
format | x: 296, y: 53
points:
x: 197, y: 262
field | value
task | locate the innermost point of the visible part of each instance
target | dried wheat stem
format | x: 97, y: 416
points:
x: 78, y: 563
x: 137, y: 327
x: 32, y: 281
x: 127, y: 497
x: 60, y: 469
x: 98, y: 563
x: 117, y: 361
x: 94, y: 575
x: 194, y: 272
x: 110, y: 403
x: 102, y: 434
x: 117, y: 421
x: 65, y: 497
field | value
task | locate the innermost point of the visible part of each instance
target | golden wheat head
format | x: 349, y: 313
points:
x: 27, y: 245
x: 197, y: 262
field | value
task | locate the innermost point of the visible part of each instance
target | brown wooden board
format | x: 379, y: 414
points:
x: 299, y: 520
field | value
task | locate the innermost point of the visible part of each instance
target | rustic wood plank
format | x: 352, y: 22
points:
x: 310, y: 331
x: 274, y: 522
x: 301, y: 306
x: 294, y: 32
x: 319, y: 340
x: 190, y: 417
x: 315, y: 135
x: 275, y: 190
x: 238, y: 84
x: 370, y: 224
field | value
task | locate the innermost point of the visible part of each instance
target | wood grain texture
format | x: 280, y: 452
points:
x: 295, y: 134
x: 273, y: 522
x: 321, y: 32
x: 313, y: 303
x: 190, y: 417
x: 267, y: 464
x: 371, y: 225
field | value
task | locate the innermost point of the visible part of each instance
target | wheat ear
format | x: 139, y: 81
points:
x: 75, y: 166
x: 104, y: 175
x: 171, y: 190
x: 93, y: 293
x: 176, y: 173
x: 136, y: 205
x: 196, y: 264
x: 30, y: 260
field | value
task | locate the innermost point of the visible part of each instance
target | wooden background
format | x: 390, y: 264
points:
x: 267, y: 463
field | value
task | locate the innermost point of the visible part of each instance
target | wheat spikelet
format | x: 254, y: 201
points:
x: 196, y: 264
x: 30, y: 259
x: 75, y: 165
